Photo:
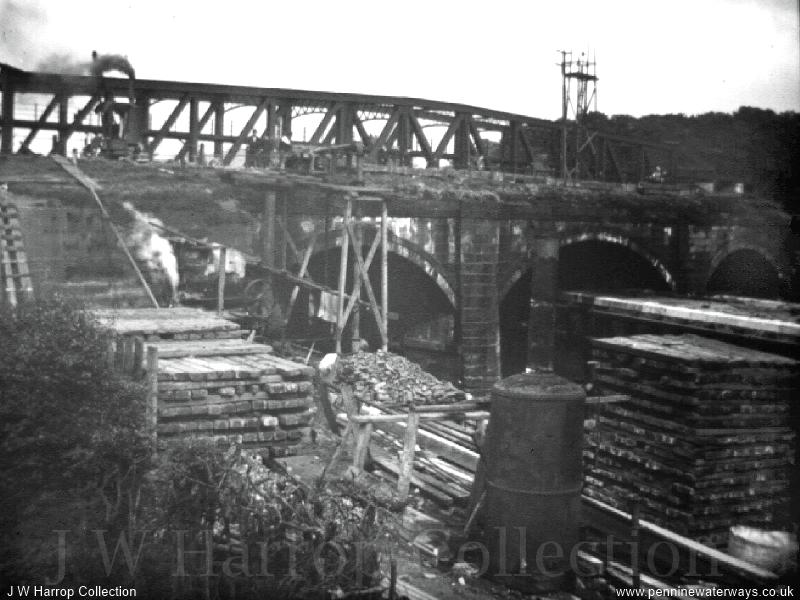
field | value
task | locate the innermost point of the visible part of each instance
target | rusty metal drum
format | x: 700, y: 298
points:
x: 532, y: 457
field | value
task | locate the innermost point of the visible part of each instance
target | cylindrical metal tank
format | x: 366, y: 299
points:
x: 532, y: 455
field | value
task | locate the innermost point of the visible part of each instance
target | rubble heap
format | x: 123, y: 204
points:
x: 705, y: 441
x: 389, y: 379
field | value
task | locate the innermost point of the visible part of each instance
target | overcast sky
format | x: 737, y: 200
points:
x: 688, y: 56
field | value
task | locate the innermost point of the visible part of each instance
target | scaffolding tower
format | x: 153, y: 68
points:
x: 575, y: 105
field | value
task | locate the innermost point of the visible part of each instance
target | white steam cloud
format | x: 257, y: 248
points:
x: 150, y: 247
x: 63, y: 63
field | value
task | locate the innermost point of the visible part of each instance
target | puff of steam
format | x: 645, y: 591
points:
x: 149, y: 246
x: 235, y: 262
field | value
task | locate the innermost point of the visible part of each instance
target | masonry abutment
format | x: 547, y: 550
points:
x: 479, y: 314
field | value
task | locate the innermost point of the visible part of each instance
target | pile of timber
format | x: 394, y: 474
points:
x: 391, y: 379
x: 745, y: 318
x: 213, y: 384
x: 446, y: 456
x: 705, y: 441
x: 178, y: 323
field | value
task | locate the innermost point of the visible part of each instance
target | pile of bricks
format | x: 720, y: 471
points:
x: 706, y: 440
x: 213, y: 384
x: 389, y: 379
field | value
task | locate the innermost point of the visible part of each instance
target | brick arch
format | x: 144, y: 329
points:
x: 521, y: 265
x: 621, y: 240
x: 408, y: 250
x: 724, y: 253
x: 781, y: 268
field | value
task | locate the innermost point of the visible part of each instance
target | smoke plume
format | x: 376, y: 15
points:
x: 63, y: 63
x: 150, y: 247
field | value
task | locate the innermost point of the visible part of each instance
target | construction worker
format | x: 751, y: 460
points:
x: 252, y: 148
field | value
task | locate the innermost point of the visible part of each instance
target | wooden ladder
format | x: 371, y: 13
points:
x: 16, y: 277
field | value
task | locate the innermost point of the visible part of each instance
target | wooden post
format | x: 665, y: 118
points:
x: 340, y: 324
x: 407, y: 457
x: 284, y: 231
x: 356, y: 327
x: 223, y: 259
x: 362, y: 445
x: 384, y: 316
x: 151, y: 413
x: 138, y: 355
x: 127, y: 355
x: 268, y: 230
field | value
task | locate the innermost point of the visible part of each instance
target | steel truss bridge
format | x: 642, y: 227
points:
x: 411, y: 127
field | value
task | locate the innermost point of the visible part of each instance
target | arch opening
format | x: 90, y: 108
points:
x: 745, y: 273
x: 601, y: 266
x: 421, y: 316
x: 591, y: 265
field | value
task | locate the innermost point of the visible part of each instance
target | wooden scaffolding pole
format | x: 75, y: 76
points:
x: 340, y: 317
x: 356, y: 337
x: 352, y: 234
x: 384, y: 315
x: 89, y: 185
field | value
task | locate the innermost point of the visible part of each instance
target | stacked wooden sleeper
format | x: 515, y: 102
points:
x: 213, y: 384
x: 705, y: 441
x: 253, y: 399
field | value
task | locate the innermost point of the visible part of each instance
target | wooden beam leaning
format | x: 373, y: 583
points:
x: 340, y: 323
x: 355, y: 338
x: 355, y: 296
x: 301, y: 274
x: 87, y: 183
x: 368, y: 286
x: 159, y: 137
x: 237, y: 144
x: 41, y: 121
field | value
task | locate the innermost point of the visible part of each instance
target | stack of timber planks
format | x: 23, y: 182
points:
x: 213, y: 384
x: 178, y: 324
x: 706, y: 440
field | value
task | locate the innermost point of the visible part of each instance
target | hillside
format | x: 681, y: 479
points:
x: 758, y: 147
